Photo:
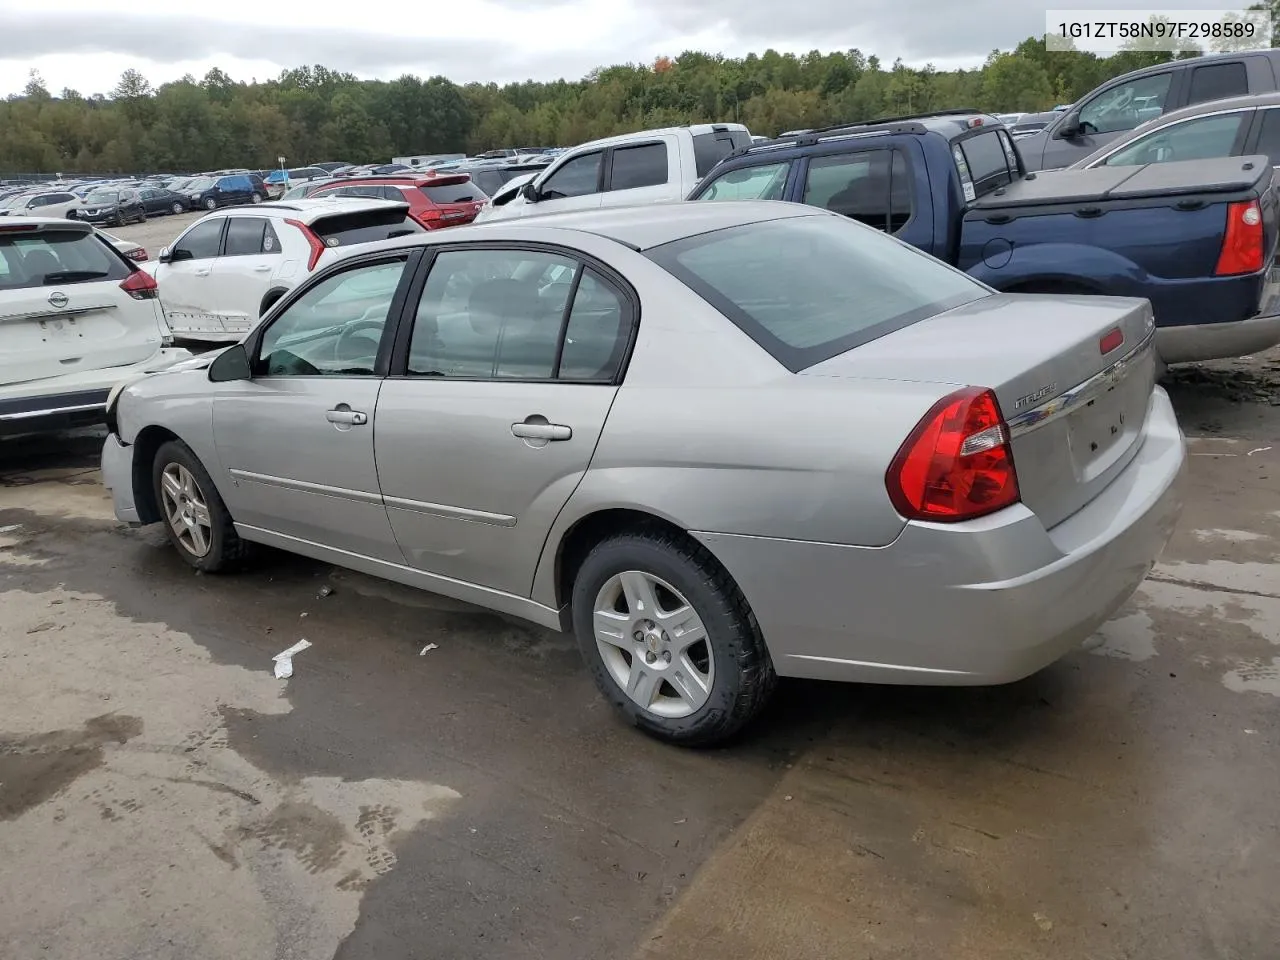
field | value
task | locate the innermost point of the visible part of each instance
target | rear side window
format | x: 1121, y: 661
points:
x: 1216, y: 81
x: 465, y: 192
x: 244, y: 237
x: 364, y: 226
x: 710, y: 148
x: 765, y: 182
x: 869, y: 187
x: 809, y: 288
x: 987, y: 162
x: 56, y: 257
x: 642, y: 166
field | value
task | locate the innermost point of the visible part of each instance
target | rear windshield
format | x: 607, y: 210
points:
x: 989, y: 160
x: 363, y: 226
x: 710, y: 148
x: 454, y: 192
x: 56, y: 257
x: 490, y: 181
x: 809, y: 288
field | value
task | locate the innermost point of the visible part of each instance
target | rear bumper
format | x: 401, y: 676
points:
x: 983, y: 602
x: 73, y: 400
x: 1212, y: 341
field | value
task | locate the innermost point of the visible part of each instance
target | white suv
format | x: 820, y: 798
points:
x: 220, y: 276
x: 76, y: 319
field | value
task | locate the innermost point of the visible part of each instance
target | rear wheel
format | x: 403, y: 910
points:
x: 195, y: 518
x: 669, y: 638
x: 176, y: 208
x: 210, y: 203
x: 256, y: 198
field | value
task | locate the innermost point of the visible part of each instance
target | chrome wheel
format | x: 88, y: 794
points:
x: 186, y: 510
x: 653, y: 644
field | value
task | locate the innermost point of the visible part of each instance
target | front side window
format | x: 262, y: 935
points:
x: 1199, y: 139
x: 765, y: 182
x: 577, y: 178
x: 201, y: 242
x: 335, y: 328
x: 1126, y: 105
x: 642, y: 166
x: 869, y: 187
x: 808, y: 288
x: 491, y: 314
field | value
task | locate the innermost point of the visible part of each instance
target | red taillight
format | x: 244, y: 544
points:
x: 314, y: 242
x: 956, y: 464
x: 1110, y: 340
x: 1242, y: 247
x: 141, y: 286
x: 429, y: 218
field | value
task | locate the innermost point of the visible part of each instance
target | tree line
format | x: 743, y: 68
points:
x: 311, y: 114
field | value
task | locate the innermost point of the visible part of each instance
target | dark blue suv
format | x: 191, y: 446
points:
x: 213, y: 192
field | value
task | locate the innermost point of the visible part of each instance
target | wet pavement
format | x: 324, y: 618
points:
x: 168, y: 797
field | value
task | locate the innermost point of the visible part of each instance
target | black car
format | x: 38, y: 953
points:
x: 116, y: 205
x: 213, y: 192
x: 158, y: 200
x: 491, y: 178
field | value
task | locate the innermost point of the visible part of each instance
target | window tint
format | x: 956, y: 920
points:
x: 765, y: 182
x: 710, y: 148
x: 987, y: 161
x: 465, y: 192
x: 202, y: 240
x: 1269, y: 136
x: 56, y: 257
x: 642, y: 166
x: 808, y: 288
x: 490, y: 181
x: 869, y: 187
x: 363, y: 226
x: 487, y: 314
x: 599, y: 328
x: 1126, y: 105
x: 1218, y: 80
x: 1198, y: 139
x: 244, y: 237
x: 333, y: 329
x: 577, y: 178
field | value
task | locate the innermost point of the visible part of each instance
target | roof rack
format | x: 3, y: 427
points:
x: 905, y: 124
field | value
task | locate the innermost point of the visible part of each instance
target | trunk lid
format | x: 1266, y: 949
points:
x: 62, y: 310
x: 456, y: 200
x: 1073, y: 375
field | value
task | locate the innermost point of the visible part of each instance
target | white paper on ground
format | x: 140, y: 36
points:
x: 284, y: 659
x: 429, y: 646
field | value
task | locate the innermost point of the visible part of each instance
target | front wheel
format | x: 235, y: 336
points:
x: 669, y: 638
x: 210, y: 203
x: 256, y: 199
x: 195, y: 518
x: 176, y: 208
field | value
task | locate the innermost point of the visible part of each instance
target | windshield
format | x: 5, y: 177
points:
x: 102, y: 196
x: 809, y: 288
x: 17, y: 201
x: 199, y: 183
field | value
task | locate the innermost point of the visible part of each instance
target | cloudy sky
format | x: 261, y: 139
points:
x: 85, y: 44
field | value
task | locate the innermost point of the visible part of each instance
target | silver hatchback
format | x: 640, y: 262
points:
x: 717, y: 442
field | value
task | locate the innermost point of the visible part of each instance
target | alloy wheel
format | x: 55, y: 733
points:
x: 653, y: 644
x: 186, y: 509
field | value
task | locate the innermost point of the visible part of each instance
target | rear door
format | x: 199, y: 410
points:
x: 61, y: 306
x: 498, y: 394
x: 243, y: 274
x: 186, y: 285
x: 870, y: 186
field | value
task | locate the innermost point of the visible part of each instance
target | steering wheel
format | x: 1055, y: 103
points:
x: 349, y: 332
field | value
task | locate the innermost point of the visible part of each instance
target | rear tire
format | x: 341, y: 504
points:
x: 176, y: 209
x: 689, y: 692
x: 256, y: 199
x: 210, y: 203
x: 195, y: 519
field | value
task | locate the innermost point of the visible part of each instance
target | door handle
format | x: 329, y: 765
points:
x: 350, y: 417
x: 262, y: 268
x: 541, y: 431
x: 202, y: 273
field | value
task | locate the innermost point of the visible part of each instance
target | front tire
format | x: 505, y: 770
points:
x: 196, y: 520
x: 176, y: 209
x: 210, y: 203
x: 256, y: 199
x: 669, y: 638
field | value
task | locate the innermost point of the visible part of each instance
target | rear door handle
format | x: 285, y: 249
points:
x: 541, y: 431
x: 202, y: 273
x: 351, y: 417
x: 262, y: 267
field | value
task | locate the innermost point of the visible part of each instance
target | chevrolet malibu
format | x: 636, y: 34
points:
x: 719, y: 443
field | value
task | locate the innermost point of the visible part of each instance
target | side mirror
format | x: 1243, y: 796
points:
x: 231, y: 364
x: 530, y: 192
x: 165, y: 256
x: 1069, y: 129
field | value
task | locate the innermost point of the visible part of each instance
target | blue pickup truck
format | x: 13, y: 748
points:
x: 1196, y: 238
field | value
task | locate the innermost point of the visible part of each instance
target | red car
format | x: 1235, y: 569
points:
x: 435, y: 200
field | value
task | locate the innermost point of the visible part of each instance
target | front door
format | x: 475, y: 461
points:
x: 488, y: 424
x: 186, y: 290
x: 574, y: 185
x: 296, y: 440
x: 1109, y: 114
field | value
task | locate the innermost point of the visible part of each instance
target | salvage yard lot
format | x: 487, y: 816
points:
x: 479, y: 799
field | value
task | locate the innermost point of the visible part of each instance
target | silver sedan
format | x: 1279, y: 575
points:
x: 719, y: 443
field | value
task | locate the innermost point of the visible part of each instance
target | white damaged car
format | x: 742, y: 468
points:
x: 76, y: 319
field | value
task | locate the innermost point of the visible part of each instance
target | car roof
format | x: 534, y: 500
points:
x: 693, y: 128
